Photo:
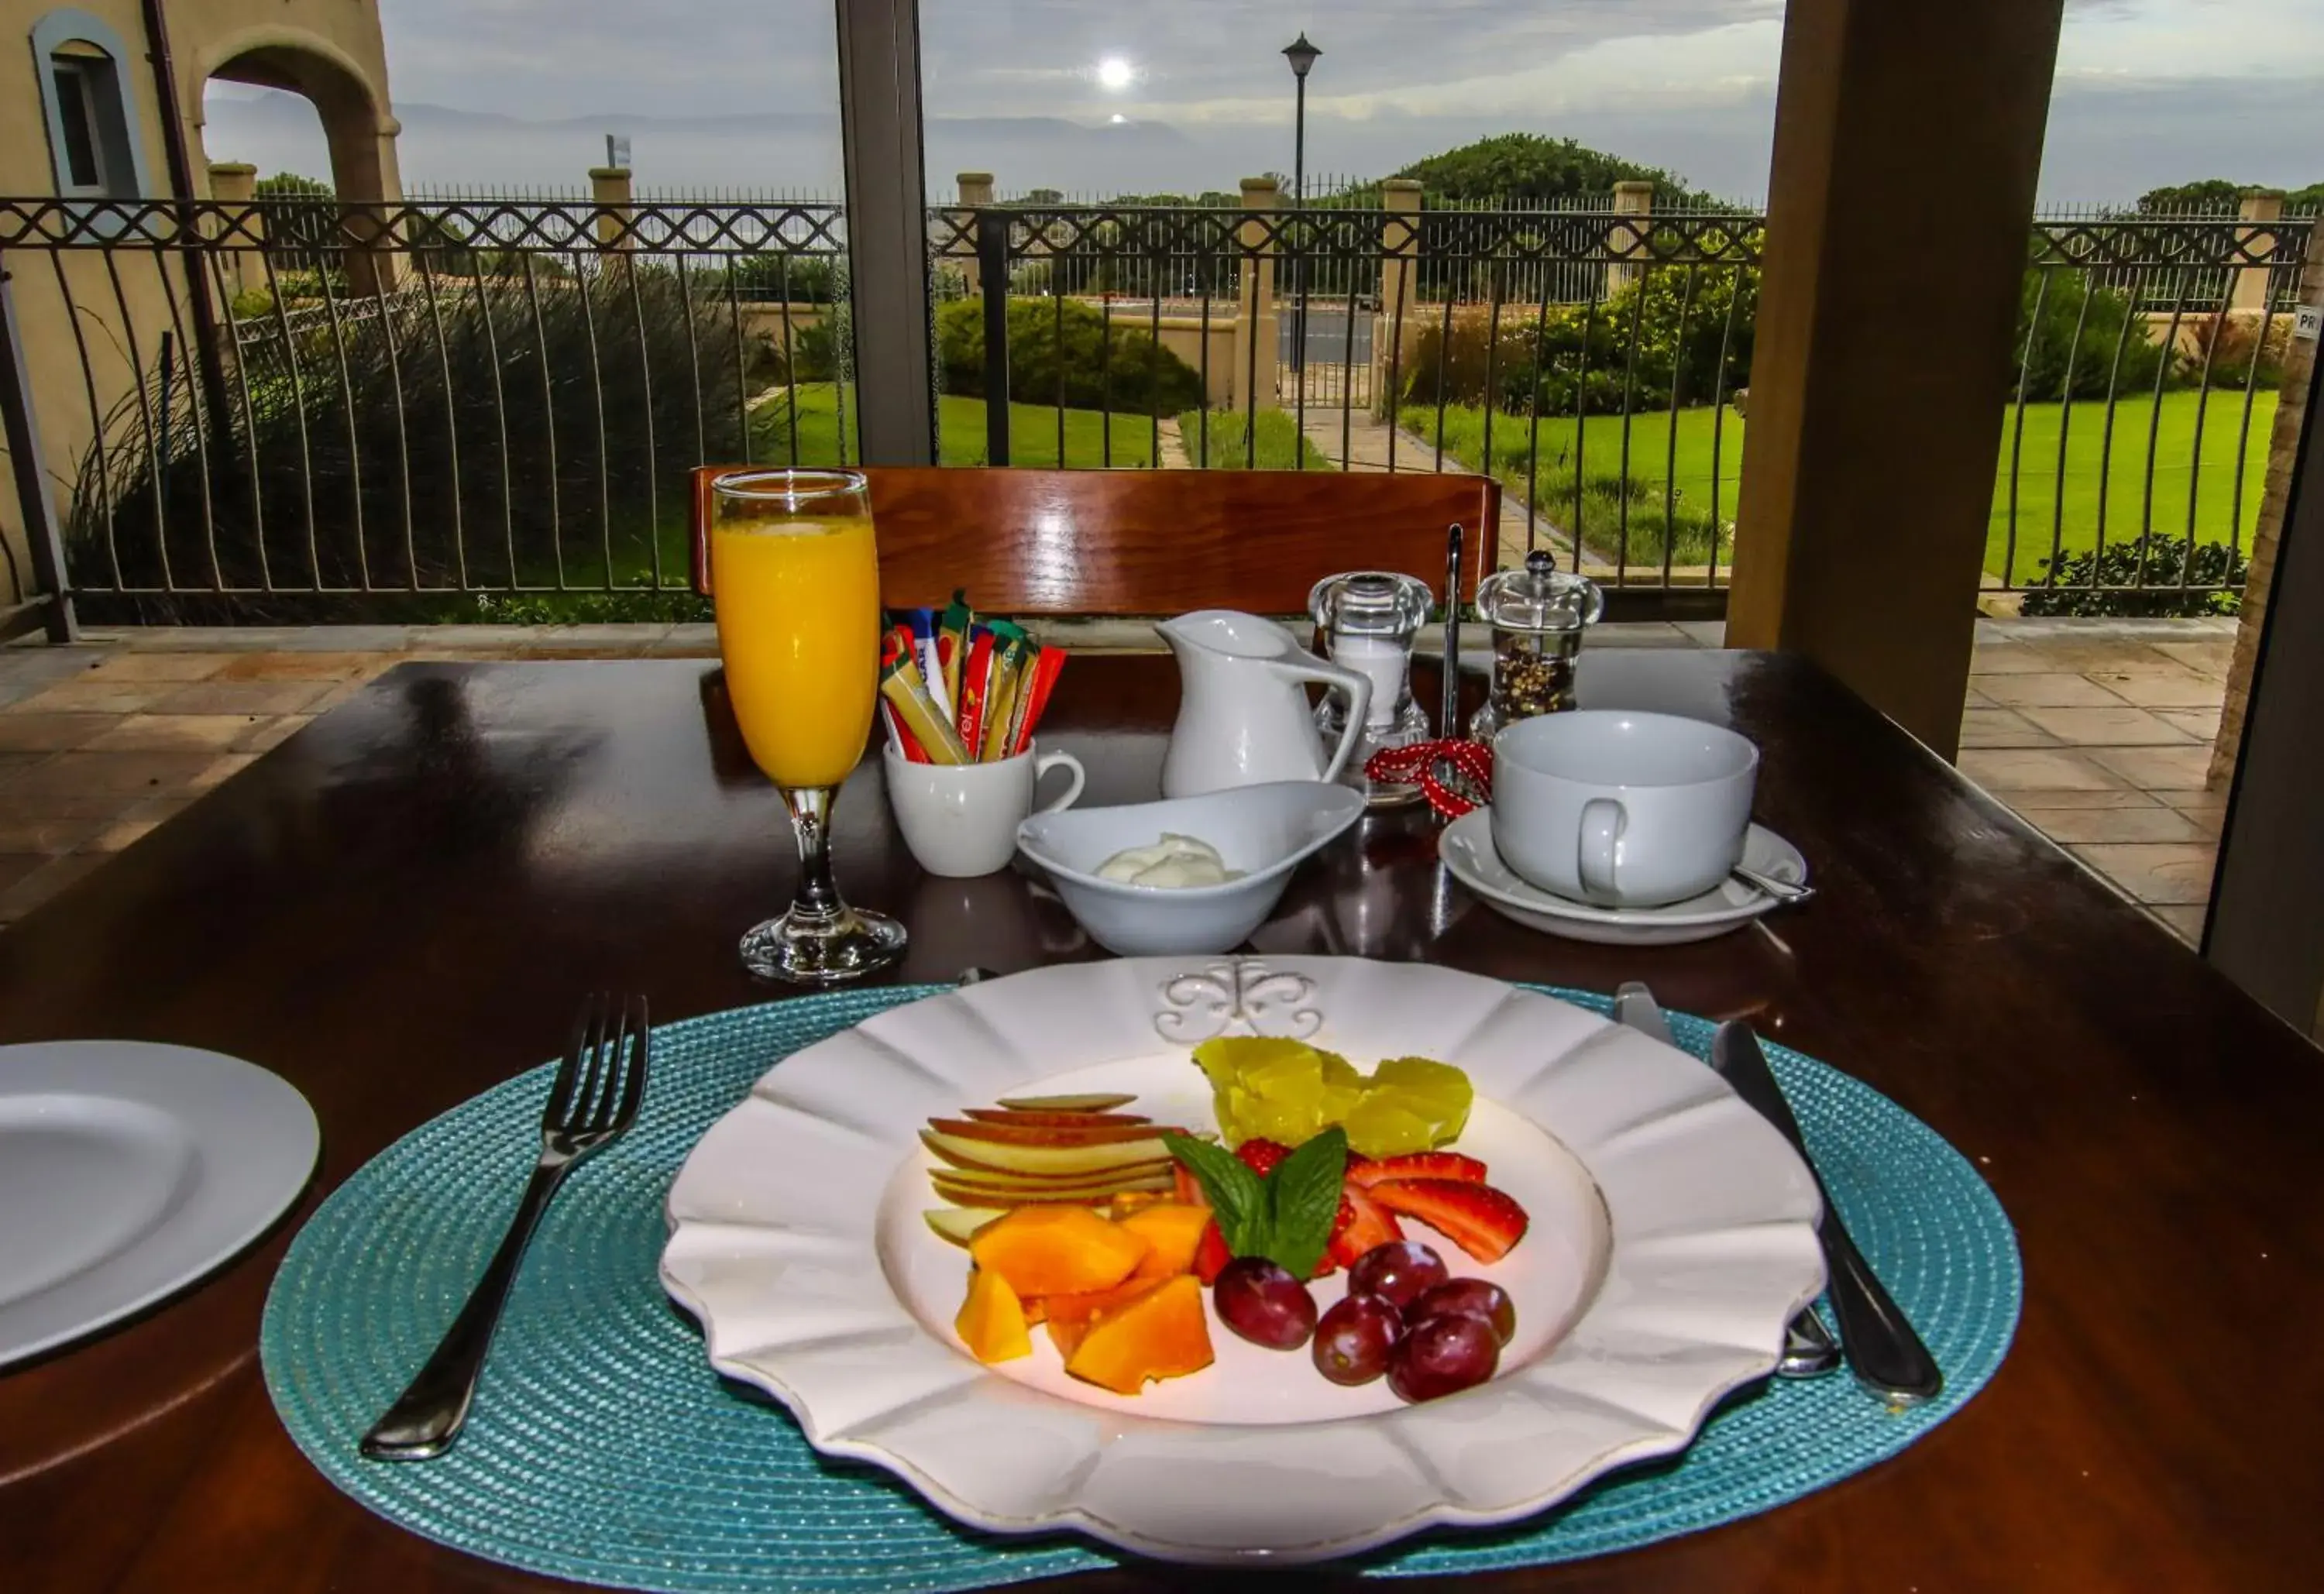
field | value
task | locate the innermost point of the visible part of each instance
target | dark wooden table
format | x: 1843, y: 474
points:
x: 398, y: 907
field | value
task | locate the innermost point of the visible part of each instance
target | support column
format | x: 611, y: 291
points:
x: 1255, y: 333
x: 1907, y: 141
x: 1630, y: 200
x: 1399, y: 258
x: 609, y: 191
x: 233, y: 182
x: 2250, y: 281
x: 887, y: 230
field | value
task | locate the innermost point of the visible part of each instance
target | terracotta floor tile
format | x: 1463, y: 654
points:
x: 259, y: 698
x: 2006, y: 658
x: 101, y: 784
x: 273, y: 733
x: 2160, y: 873
x: 2118, y: 726
x: 176, y: 733
x: 21, y: 731
x: 10, y: 762
x: 140, y: 666
x: 2210, y: 799
x: 2203, y: 723
x: 2207, y: 657
x: 2085, y: 826
x: 2159, y: 768
x: 2001, y: 727
x: 45, y: 882
x: 309, y: 667
x: 2047, y: 691
x: 2207, y: 821
x: 1996, y: 767
x: 336, y: 696
x: 91, y: 693
x: 2045, y: 799
x: 2172, y: 688
x: 2114, y: 654
x: 139, y: 821
x: 2184, y: 921
x: 48, y: 835
x: 220, y: 769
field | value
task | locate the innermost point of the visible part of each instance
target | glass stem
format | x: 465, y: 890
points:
x: 817, y: 899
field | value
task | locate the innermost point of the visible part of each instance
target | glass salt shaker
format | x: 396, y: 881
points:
x: 1370, y: 619
x: 1536, y: 616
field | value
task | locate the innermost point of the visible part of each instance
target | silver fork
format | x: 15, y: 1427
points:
x: 593, y: 1101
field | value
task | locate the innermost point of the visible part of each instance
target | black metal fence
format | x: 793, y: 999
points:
x: 240, y: 410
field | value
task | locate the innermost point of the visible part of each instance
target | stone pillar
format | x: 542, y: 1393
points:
x: 976, y: 187
x: 2282, y: 449
x: 1907, y: 141
x: 2250, y: 281
x: 1399, y: 275
x: 609, y: 188
x: 1631, y: 199
x: 1255, y: 328
x: 233, y: 182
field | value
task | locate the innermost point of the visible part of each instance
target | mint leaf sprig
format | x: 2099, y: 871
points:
x: 1287, y: 1216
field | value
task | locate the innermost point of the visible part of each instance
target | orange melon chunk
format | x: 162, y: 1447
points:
x: 1174, y: 1231
x: 1047, y: 1249
x: 991, y: 1321
x: 1071, y: 1317
x: 1161, y: 1334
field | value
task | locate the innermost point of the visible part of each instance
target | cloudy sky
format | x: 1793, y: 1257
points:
x: 1101, y: 96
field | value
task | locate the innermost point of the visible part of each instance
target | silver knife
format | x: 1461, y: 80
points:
x: 1809, y: 1349
x: 1885, y: 1355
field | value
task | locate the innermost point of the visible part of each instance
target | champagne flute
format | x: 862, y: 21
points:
x: 795, y: 577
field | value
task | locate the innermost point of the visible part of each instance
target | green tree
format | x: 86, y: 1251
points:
x: 1530, y: 166
x: 1132, y: 374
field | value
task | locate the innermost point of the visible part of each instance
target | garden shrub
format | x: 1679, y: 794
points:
x: 2079, y: 342
x: 1128, y: 372
x: 2078, y: 576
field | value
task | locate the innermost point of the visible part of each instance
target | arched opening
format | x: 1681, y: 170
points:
x: 356, y: 131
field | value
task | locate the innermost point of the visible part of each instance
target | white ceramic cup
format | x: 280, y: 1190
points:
x: 961, y: 819
x: 1621, y: 809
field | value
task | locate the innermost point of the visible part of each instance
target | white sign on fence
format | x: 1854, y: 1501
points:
x: 2307, y: 321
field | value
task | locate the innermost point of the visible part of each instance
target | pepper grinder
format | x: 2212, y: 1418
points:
x: 1535, y: 616
x: 1370, y: 619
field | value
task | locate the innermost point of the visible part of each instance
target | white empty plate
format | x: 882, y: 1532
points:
x: 1466, y: 848
x: 129, y: 1169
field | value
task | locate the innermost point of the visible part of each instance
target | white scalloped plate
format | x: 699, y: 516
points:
x: 1673, y: 1237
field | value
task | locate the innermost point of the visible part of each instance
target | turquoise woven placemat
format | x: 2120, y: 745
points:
x: 603, y: 1448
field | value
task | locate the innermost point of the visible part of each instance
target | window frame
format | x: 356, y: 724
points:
x: 68, y: 39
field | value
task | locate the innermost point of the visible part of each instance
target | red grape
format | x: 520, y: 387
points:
x: 1396, y: 1272
x: 1264, y: 1304
x: 1354, y: 1341
x: 1469, y: 1297
x: 1443, y: 1356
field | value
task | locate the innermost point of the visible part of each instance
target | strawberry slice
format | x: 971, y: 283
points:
x: 1261, y: 1155
x: 1362, y: 1223
x: 1478, y: 1218
x: 1186, y: 1188
x: 1210, y: 1254
x: 1417, y: 1164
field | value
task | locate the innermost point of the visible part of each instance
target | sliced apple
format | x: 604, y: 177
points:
x: 1005, y: 1200
x: 1097, y: 1103
x: 1034, y: 1134
x: 1002, y: 1179
x: 1010, y: 1117
x: 1006, y: 1157
x: 957, y: 1224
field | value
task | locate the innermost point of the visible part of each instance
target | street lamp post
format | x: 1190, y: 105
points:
x: 1302, y: 56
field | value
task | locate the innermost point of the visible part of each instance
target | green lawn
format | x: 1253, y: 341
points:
x: 960, y: 433
x: 2178, y: 465
x: 1222, y: 439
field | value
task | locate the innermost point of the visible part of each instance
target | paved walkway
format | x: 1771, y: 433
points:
x: 2098, y: 732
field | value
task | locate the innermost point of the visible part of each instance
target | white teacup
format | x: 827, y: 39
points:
x: 961, y: 819
x: 1621, y: 809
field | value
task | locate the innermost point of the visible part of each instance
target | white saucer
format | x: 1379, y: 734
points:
x: 1466, y: 847
x: 129, y: 1169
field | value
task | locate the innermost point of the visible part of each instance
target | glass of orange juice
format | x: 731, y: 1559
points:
x: 795, y: 577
